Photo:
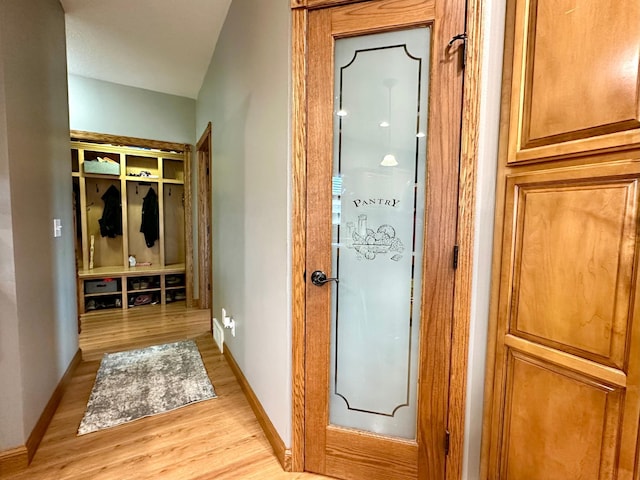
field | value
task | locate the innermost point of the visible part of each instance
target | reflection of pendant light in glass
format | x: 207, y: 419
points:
x: 389, y: 160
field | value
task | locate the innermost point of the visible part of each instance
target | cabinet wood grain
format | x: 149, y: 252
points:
x: 563, y: 372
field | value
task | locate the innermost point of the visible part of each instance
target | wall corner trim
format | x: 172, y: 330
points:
x: 282, y: 453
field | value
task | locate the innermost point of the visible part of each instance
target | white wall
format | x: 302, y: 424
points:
x: 11, y: 428
x: 37, y: 296
x: 494, y: 11
x: 246, y: 97
x: 105, y: 107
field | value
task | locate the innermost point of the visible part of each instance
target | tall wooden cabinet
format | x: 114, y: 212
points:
x: 117, y: 173
x: 563, y: 378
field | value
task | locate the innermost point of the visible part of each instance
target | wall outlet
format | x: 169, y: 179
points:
x: 228, y: 322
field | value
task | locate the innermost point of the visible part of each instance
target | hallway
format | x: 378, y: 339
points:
x: 219, y: 439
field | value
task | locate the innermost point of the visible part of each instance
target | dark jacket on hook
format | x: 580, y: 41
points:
x: 150, y: 218
x: 111, y: 221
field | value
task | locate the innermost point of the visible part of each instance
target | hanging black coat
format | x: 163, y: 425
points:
x: 111, y: 221
x: 150, y: 218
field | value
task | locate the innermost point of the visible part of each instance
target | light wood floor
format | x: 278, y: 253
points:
x: 218, y: 438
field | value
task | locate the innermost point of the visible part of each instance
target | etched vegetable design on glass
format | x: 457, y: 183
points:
x: 369, y: 243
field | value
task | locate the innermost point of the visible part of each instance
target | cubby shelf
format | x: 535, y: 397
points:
x: 167, y: 255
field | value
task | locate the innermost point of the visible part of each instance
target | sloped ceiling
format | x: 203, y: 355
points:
x: 159, y: 45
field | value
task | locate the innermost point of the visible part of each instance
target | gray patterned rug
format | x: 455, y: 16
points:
x: 139, y: 383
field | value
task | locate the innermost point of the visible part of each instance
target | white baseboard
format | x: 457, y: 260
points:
x: 218, y: 334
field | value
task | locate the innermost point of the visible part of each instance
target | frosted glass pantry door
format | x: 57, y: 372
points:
x: 382, y: 143
x: 378, y: 199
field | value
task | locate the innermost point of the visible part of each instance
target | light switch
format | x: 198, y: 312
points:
x: 57, y: 227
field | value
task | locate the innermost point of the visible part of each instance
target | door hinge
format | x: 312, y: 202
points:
x: 455, y: 256
x: 447, y: 438
x: 461, y: 37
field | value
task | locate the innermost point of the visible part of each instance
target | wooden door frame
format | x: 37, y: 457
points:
x: 465, y: 229
x: 204, y: 208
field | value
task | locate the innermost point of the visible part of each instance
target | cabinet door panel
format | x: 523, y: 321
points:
x: 575, y: 244
x: 576, y: 80
x: 559, y: 424
x: 567, y: 361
